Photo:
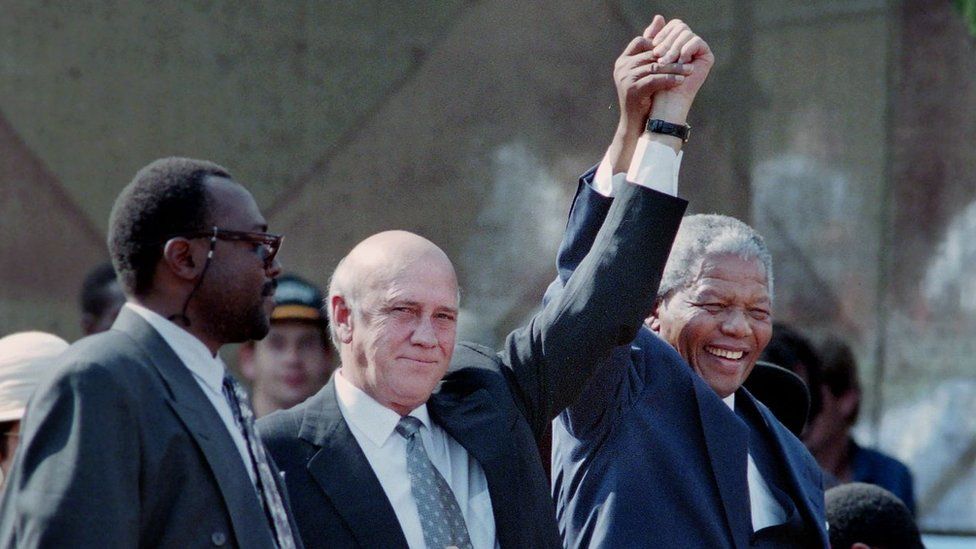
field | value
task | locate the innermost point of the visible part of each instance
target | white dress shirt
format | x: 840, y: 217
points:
x: 656, y: 166
x: 208, y: 371
x: 765, y: 510
x: 374, y: 428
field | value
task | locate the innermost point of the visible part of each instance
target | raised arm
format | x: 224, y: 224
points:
x: 615, y: 250
x: 635, y: 155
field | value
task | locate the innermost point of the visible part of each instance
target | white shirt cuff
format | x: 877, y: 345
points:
x: 603, y: 178
x: 654, y: 166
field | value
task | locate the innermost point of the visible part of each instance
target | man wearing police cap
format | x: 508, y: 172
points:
x: 294, y: 360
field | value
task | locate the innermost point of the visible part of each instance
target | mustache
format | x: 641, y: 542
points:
x: 269, y: 288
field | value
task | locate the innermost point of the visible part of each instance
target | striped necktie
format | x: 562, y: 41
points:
x: 269, y: 496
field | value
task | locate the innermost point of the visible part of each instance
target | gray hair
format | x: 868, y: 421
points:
x: 701, y: 235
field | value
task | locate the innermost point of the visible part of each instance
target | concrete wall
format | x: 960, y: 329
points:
x: 841, y: 129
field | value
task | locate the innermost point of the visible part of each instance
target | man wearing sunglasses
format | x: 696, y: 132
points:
x: 141, y: 438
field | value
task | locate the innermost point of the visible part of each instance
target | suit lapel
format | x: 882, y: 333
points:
x: 727, y: 440
x: 473, y: 421
x: 343, y: 473
x: 196, y: 412
x: 805, y: 496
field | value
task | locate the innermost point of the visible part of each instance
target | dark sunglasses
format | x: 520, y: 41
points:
x: 270, y: 243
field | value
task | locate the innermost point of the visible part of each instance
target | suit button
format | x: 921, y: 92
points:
x: 218, y: 539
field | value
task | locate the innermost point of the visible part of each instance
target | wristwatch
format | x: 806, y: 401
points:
x: 682, y: 132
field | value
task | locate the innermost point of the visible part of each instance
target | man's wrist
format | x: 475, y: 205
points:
x: 629, y: 131
x: 672, y: 112
x: 622, y: 148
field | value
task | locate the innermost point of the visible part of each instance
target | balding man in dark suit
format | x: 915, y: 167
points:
x: 414, y: 443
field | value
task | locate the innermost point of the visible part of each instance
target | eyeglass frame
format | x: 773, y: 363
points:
x: 270, y: 241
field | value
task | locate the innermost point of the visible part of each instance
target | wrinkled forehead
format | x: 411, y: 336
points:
x: 733, y: 274
x: 399, y: 276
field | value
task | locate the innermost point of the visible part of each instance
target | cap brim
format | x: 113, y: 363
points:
x: 296, y: 312
x: 783, y: 392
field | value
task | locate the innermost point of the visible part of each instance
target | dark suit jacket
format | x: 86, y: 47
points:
x: 882, y: 470
x: 496, y: 405
x: 650, y: 456
x: 121, y: 448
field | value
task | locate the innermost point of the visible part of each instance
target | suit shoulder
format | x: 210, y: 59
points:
x: 110, y: 352
x: 469, y: 355
x: 475, y: 367
x: 100, y: 358
x: 655, y: 358
x: 280, y: 433
x: 281, y: 425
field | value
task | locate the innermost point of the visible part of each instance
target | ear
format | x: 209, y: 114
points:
x: 848, y: 402
x: 182, y: 259
x: 341, y: 317
x: 653, y: 322
x: 245, y: 360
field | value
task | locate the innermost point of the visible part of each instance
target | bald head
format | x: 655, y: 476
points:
x: 393, y: 304
x: 374, y: 262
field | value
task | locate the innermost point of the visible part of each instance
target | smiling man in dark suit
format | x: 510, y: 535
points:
x: 141, y: 438
x: 664, y: 448
x: 416, y: 443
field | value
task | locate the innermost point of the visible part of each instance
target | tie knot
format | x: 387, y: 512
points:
x: 408, y: 426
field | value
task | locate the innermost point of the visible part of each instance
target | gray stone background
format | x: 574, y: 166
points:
x: 842, y: 130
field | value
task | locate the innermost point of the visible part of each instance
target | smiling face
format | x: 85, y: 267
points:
x: 721, y: 322
x: 397, y: 336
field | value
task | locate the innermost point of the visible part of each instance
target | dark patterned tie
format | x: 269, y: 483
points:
x: 440, y: 515
x: 268, y: 493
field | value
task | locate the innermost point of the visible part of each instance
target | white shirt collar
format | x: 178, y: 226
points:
x: 194, y: 354
x: 373, y: 419
x: 730, y: 401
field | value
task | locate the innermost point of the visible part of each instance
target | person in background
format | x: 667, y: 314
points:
x: 790, y: 349
x: 295, y: 359
x: 26, y: 358
x: 101, y: 299
x: 865, y: 516
x: 829, y: 435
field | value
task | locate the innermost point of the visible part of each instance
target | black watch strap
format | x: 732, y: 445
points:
x: 682, y: 132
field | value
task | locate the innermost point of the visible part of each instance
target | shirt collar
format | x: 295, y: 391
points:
x: 190, y: 350
x: 730, y: 401
x: 373, y: 419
